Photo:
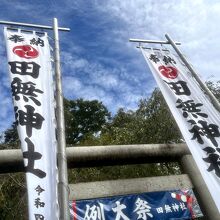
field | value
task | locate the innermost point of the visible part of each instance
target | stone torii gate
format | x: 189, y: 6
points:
x: 91, y: 156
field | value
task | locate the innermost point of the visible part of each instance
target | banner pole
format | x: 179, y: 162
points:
x: 194, y: 74
x: 63, y: 190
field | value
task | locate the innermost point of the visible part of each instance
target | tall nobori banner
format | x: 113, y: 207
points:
x: 33, y: 95
x: 195, y: 115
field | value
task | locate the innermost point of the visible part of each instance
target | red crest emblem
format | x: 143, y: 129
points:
x: 168, y: 71
x: 26, y: 51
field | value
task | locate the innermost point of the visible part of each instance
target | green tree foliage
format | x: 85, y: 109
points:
x: 11, y: 139
x: 83, y: 118
x: 156, y: 121
x: 151, y: 123
x: 87, y: 123
x: 13, y: 197
x: 13, y: 192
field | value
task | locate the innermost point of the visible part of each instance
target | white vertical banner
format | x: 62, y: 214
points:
x: 33, y: 95
x: 195, y: 115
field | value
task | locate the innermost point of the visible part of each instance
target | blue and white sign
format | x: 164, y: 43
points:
x: 177, y: 204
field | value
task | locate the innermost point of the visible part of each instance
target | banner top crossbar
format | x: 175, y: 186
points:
x: 33, y: 25
x: 149, y: 48
x: 151, y: 41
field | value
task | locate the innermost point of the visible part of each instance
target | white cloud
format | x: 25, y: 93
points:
x: 106, y: 66
x: 115, y: 87
x: 195, y: 23
x: 71, y: 85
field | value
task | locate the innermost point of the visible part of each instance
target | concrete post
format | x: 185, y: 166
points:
x: 203, y: 196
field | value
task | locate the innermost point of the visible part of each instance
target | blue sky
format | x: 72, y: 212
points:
x: 98, y: 62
